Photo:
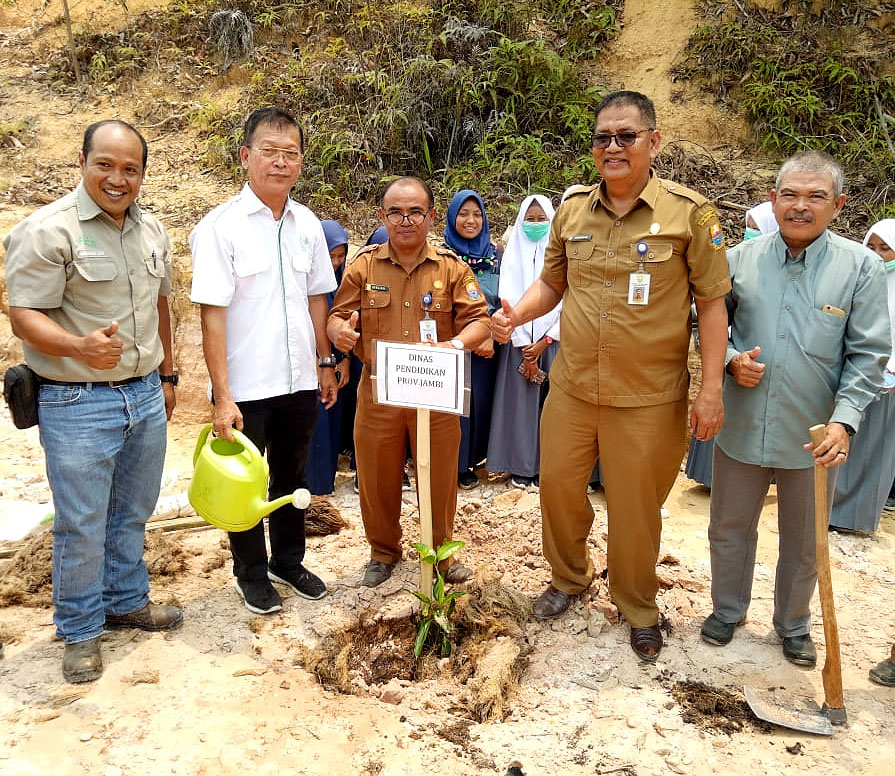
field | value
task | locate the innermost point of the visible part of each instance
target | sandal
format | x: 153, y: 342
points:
x: 647, y: 643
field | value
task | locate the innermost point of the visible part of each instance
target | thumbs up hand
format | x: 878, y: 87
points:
x: 101, y: 349
x: 348, y: 334
x: 503, y: 322
x: 745, y: 369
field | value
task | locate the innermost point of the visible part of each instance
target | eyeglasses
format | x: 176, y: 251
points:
x: 622, y: 139
x: 289, y: 154
x: 414, y: 217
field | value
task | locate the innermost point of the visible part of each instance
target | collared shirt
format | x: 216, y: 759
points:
x: 822, y: 324
x: 613, y: 352
x: 390, y: 299
x: 263, y: 271
x: 72, y: 261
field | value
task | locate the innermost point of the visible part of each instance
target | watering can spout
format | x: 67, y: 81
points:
x: 299, y: 498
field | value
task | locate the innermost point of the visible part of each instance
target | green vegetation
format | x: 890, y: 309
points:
x: 437, y: 610
x: 818, y: 76
x: 457, y: 91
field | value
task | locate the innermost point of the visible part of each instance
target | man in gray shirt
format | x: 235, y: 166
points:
x: 808, y: 344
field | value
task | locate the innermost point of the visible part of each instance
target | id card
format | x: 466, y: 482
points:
x: 638, y: 288
x: 428, y: 330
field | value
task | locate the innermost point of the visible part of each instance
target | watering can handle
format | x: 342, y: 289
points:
x: 200, y: 442
x: 250, y: 451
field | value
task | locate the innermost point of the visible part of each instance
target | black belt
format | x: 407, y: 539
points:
x: 110, y: 383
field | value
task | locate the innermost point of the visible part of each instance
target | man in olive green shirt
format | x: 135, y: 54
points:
x: 88, y: 279
x: 626, y: 257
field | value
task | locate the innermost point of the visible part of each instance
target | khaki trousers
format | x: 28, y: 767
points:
x: 380, y: 439
x: 640, y: 451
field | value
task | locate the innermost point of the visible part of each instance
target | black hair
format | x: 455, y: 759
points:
x: 87, y: 144
x: 624, y: 98
x: 409, y: 179
x: 274, y: 117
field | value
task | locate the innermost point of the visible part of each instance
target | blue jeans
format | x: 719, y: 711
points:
x: 105, y: 450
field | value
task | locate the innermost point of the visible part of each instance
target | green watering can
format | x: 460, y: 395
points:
x: 229, y: 483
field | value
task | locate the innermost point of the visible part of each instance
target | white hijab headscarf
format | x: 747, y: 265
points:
x: 885, y: 230
x: 520, y: 266
x: 764, y: 218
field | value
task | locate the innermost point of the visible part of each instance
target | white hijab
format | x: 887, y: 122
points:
x: 885, y: 230
x: 764, y: 218
x: 520, y: 266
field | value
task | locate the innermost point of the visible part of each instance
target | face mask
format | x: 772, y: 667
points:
x: 750, y: 233
x: 890, y: 266
x: 536, y: 230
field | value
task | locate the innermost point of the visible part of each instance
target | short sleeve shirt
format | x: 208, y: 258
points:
x: 263, y: 271
x: 622, y: 354
x: 390, y: 299
x: 72, y: 261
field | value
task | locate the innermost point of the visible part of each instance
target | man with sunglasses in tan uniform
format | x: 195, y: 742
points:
x: 386, y: 290
x: 626, y: 258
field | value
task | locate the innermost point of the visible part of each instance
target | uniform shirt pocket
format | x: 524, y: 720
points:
x: 656, y: 261
x: 374, y: 314
x: 94, y: 276
x: 442, y: 310
x: 579, y: 255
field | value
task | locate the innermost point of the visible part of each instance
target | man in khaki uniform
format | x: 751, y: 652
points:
x: 625, y: 257
x: 88, y: 278
x: 383, y: 290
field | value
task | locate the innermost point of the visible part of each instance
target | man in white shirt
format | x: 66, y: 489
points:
x: 261, y: 271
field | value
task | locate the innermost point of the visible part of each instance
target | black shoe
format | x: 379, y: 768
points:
x: 716, y: 632
x: 259, y: 595
x: 518, y: 481
x: 800, y: 650
x: 356, y: 489
x: 467, y: 480
x: 376, y: 573
x: 405, y: 483
x: 302, y: 581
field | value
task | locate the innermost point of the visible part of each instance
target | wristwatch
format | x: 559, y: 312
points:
x: 173, y: 378
x: 458, y: 343
x: 327, y: 362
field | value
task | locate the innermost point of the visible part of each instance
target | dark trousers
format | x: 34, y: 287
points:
x: 281, y: 427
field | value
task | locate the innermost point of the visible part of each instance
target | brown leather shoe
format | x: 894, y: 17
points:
x: 152, y: 617
x: 647, y: 643
x: 551, y: 603
x: 82, y: 661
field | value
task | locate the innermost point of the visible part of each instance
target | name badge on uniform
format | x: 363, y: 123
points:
x: 638, y: 282
x: 638, y: 288
x: 428, y: 328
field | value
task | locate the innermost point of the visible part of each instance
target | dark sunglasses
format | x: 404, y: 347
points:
x: 622, y: 139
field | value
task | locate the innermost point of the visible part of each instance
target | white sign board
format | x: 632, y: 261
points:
x: 422, y: 376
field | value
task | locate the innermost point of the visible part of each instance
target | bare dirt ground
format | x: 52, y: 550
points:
x: 227, y: 694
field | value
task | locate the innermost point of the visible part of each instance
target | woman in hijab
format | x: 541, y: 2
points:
x: 467, y: 234
x: 759, y: 220
x: 524, y: 363
x: 323, y: 453
x: 865, y: 479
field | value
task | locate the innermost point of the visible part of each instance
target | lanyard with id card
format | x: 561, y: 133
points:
x: 428, y: 329
x: 639, y: 281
